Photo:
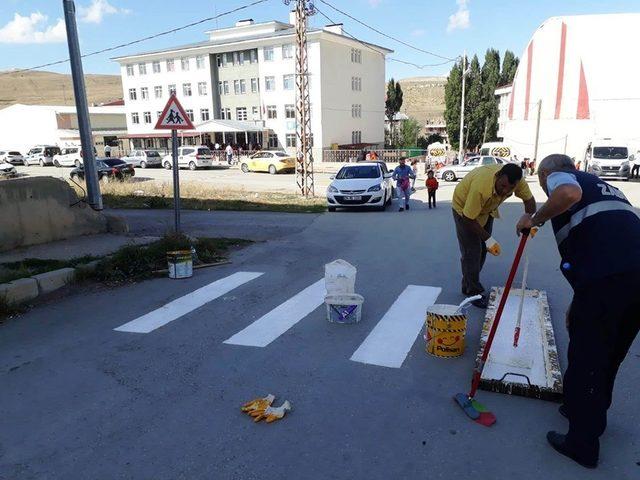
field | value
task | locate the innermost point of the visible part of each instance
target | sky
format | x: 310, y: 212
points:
x: 32, y: 32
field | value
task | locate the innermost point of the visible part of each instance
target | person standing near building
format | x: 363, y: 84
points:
x: 475, y: 204
x: 107, y: 150
x: 229, y: 152
x: 432, y: 185
x: 591, y: 220
x: 403, y: 174
x: 635, y: 169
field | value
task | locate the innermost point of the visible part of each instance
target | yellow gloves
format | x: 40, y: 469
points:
x: 271, y: 414
x: 258, y: 404
x: 493, y: 247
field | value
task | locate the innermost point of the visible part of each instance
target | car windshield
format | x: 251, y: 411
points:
x: 204, y: 151
x: 610, y: 153
x: 50, y: 152
x: 152, y: 153
x: 113, y: 162
x: 280, y: 154
x: 362, y: 171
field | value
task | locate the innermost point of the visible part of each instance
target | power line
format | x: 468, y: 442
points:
x: 140, y: 40
x: 389, y: 36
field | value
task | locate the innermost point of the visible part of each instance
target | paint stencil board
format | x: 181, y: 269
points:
x: 531, y: 369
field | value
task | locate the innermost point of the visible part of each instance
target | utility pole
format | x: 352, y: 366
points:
x: 86, y: 138
x: 464, y: 76
x: 535, y: 147
x: 304, y: 154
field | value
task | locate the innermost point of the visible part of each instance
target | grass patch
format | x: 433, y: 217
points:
x: 34, y: 266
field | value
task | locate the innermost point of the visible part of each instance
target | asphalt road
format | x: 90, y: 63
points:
x: 81, y: 400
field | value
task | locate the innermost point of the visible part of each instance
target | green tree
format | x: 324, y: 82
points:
x: 452, y: 97
x: 509, y: 67
x: 474, y: 119
x: 490, y: 81
x: 424, y: 142
x: 392, y: 105
x: 409, y: 130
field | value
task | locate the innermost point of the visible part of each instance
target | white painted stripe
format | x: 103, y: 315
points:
x: 390, y: 341
x: 269, y: 327
x: 183, y: 305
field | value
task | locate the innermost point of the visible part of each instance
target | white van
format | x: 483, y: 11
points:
x: 497, y: 149
x: 608, y: 158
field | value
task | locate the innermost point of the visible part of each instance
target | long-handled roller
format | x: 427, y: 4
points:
x: 516, y: 332
x: 469, y: 405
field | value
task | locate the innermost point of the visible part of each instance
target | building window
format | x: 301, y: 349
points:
x: 130, y: 71
x: 289, y: 111
x: 356, y: 136
x: 220, y: 60
x: 273, y: 140
x: 243, y: 86
x: 142, y: 68
x: 189, y: 113
x: 269, y: 84
x: 291, y: 139
x: 356, y: 111
x: 147, y: 117
x: 202, y: 88
x: 220, y: 88
x: 156, y: 67
x: 254, y: 85
x: 236, y: 87
x: 272, y: 111
x: 241, y: 113
x: 170, y: 65
x: 157, y: 91
x: 225, y: 87
x: 228, y: 59
x: 254, y: 111
x: 200, y: 62
x: 287, y: 51
x: 356, y: 55
x: 186, y: 89
x: 287, y: 82
x: 172, y: 89
x: 225, y: 114
x: 253, y: 54
x: 135, y: 119
x: 241, y: 58
x: 184, y: 63
x: 356, y: 84
x: 268, y: 54
x: 144, y: 93
x: 204, y: 114
x: 132, y: 94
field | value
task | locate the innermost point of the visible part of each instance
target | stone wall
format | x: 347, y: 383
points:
x: 423, y: 98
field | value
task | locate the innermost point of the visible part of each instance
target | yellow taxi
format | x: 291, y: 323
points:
x: 272, y: 161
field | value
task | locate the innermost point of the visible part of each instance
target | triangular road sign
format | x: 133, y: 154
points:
x: 173, y: 117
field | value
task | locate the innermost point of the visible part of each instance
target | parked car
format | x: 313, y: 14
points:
x: 108, y: 169
x: 365, y: 184
x: 70, y: 157
x: 451, y: 173
x: 272, y: 161
x: 11, y: 156
x: 7, y: 170
x: 192, y: 157
x: 41, y: 155
x: 143, y: 158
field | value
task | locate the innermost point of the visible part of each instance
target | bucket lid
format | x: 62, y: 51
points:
x: 345, y: 299
x: 443, y: 309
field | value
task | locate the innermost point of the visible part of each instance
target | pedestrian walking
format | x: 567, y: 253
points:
x: 532, y: 166
x: 635, y: 169
x: 107, y: 150
x: 229, y: 152
x: 432, y: 185
x: 524, y: 165
x: 403, y: 174
x: 591, y: 221
x: 414, y: 167
x: 475, y: 205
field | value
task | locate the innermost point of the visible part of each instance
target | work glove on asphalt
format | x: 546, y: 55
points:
x: 271, y: 414
x: 493, y: 247
x: 258, y: 404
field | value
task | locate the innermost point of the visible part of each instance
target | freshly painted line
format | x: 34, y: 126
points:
x: 390, y: 341
x: 183, y: 305
x: 269, y: 327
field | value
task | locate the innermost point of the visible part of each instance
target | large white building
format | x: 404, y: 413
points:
x: 245, y: 74
x: 584, y: 71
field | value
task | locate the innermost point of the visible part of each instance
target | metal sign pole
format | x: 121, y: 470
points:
x: 176, y: 179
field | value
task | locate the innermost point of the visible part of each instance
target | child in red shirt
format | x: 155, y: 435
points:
x: 432, y: 186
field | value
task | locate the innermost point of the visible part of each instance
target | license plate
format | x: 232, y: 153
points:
x: 357, y: 197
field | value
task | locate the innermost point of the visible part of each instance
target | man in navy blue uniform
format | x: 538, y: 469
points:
x: 598, y: 236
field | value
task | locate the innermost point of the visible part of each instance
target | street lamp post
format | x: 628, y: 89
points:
x: 464, y: 76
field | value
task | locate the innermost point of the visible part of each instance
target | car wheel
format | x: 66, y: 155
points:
x: 272, y: 169
x: 449, y: 176
x: 192, y: 165
x: 388, y: 202
x: 73, y: 176
x: 105, y: 179
x: 245, y: 168
x: 331, y: 209
x: 78, y: 163
x: 143, y: 164
x: 41, y: 162
x: 167, y: 165
x: 56, y: 163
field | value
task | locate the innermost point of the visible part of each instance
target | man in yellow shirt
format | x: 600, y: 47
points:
x: 475, y: 204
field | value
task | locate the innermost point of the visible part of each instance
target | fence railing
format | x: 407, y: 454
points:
x: 386, y: 155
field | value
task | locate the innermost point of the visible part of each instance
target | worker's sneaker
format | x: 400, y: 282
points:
x: 563, y: 411
x: 401, y: 209
x: 560, y: 444
x: 481, y: 302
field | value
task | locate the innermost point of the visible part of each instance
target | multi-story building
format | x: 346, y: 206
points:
x: 239, y: 86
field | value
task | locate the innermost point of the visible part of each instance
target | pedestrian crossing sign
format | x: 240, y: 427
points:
x: 173, y: 117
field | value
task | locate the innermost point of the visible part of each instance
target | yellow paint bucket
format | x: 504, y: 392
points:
x: 180, y: 264
x: 445, y: 331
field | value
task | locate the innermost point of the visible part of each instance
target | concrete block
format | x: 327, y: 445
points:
x: 50, y: 281
x: 19, y: 291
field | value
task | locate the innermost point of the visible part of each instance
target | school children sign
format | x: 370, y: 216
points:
x: 173, y: 117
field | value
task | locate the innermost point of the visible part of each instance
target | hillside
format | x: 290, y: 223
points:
x: 423, y: 98
x: 48, y: 88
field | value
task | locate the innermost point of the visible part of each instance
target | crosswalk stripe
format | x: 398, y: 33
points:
x: 187, y: 303
x: 269, y: 327
x: 390, y: 341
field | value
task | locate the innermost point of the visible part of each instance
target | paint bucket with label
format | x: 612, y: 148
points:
x: 344, y: 308
x: 445, y: 330
x: 180, y: 263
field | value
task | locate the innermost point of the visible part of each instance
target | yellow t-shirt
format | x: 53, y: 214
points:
x: 475, y: 196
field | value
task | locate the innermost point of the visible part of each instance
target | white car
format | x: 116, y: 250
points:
x: 192, y: 157
x: 11, y: 156
x: 41, y: 155
x: 451, y: 173
x: 143, y: 158
x: 70, y: 157
x: 7, y: 170
x: 364, y: 184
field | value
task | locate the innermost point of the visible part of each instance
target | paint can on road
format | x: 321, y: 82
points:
x: 445, y: 330
x: 180, y: 264
x: 344, y: 308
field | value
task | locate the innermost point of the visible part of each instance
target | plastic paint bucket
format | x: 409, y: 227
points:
x: 445, y: 331
x: 180, y: 264
x: 344, y: 308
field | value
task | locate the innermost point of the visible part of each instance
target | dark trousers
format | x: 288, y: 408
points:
x: 107, y: 154
x: 635, y: 170
x: 432, y: 198
x: 473, y: 253
x: 604, y: 319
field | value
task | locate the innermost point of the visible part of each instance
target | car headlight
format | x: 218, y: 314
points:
x: 332, y: 189
x: 375, y: 188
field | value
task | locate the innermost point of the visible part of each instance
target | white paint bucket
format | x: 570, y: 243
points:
x: 180, y: 264
x: 345, y: 309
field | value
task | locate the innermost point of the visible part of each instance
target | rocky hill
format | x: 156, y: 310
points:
x: 423, y: 98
